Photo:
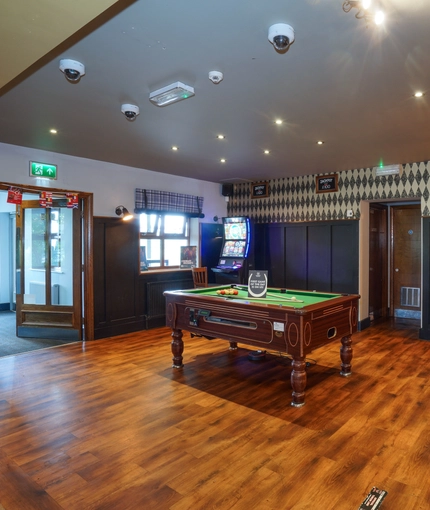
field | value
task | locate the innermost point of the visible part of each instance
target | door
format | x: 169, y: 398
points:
x: 378, y: 261
x: 406, y: 261
x: 48, y: 254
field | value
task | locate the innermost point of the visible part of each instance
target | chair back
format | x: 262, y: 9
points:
x: 200, y: 276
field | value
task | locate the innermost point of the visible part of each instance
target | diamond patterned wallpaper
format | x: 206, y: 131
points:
x: 295, y: 198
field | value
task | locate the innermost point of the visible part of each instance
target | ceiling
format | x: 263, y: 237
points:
x: 342, y: 81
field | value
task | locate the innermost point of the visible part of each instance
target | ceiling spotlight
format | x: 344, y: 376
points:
x: 281, y: 36
x: 171, y: 94
x: 122, y: 211
x: 220, y: 137
x: 266, y: 152
x: 418, y: 93
x: 72, y: 69
x: 364, y: 11
x: 174, y: 148
x: 278, y: 121
x: 320, y: 142
x: 131, y: 111
x: 222, y: 160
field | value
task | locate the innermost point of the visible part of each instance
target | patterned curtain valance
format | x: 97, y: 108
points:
x: 152, y: 201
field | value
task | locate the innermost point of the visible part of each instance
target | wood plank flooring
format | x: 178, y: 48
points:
x: 110, y: 425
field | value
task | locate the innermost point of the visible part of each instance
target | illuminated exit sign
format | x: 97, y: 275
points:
x: 43, y: 170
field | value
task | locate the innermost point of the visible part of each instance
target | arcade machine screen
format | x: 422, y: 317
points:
x: 234, y: 252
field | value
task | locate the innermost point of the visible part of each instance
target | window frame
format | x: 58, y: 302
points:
x: 159, y: 234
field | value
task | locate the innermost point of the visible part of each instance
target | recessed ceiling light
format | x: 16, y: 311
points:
x: 222, y: 160
x: 266, y: 152
x: 174, y: 148
x: 220, y: 137
x: 320, y: 142
x: 53, y: 131
x: 418, y: 93
x: 278, y: 121
x: 379, y: 18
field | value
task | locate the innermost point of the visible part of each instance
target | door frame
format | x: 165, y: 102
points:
x: 87, y: 250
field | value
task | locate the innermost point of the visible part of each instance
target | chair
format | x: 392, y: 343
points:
x: 200, y: 276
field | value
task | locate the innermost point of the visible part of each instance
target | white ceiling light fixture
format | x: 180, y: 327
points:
x: 171, y: 94
x: 364, y: 11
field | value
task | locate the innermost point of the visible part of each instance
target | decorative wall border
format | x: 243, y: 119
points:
x: 295, y: 198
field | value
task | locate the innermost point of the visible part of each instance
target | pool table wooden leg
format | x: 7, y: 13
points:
x: 298, y: 381
x: 233, y: 346
x: 177, y: 348
x: 346, y: 356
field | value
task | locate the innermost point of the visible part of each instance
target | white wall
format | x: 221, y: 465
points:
x: 111, y: 184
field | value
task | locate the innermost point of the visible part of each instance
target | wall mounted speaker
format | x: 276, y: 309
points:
x: 227, y: 190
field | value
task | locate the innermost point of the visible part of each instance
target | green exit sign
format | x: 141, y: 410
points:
x: 43, y: 170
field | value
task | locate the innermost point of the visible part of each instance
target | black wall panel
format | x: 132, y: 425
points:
x: 274, y: 244
x: 312, y: 256
x: 344, y: 260
x: 295, y: 259
x: 319, y: 257
x: 425, y: 316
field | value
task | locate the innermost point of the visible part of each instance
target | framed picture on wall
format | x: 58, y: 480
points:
x: 260, y: 189
x: 326, y: 183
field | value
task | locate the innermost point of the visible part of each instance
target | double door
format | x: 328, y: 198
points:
x: 48, y: 274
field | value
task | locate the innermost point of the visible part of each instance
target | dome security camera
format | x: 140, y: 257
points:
x: 281, y: 36
x: 72, y: 69
x: 216, y: 76
x: 130, y: 111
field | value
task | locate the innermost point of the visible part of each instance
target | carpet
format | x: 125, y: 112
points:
x: 11, y: 344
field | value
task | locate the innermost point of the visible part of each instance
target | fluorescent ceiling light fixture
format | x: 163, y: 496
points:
x: 171, y: 94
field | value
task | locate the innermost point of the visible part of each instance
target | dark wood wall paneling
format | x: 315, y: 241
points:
x: 125, y: 300
x: 425, y: 304
x: 310, y: 256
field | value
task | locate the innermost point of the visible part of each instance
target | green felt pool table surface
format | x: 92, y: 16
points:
x: 280, y: 297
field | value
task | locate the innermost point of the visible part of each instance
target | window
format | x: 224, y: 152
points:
x: 161, y: 238
x: 40, y: 219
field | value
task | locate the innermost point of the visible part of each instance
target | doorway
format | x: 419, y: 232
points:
x: 53, y: 316
x: 395, y: 260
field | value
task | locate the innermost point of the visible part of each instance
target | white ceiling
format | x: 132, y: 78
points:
x: 341, y: 81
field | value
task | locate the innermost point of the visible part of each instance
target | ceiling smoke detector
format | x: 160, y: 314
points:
x: 216, y: 76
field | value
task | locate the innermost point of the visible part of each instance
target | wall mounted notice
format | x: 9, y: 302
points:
x: 257, y: 284
x: 326, y: 183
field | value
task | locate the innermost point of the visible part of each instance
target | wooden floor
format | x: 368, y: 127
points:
x: 110, y: 425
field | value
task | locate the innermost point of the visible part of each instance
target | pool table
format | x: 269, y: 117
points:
x: 288, y: 321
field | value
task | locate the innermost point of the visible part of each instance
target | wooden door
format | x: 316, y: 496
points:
x: 48, y: 269
x: 378, y: 261
x: 406, y: 261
